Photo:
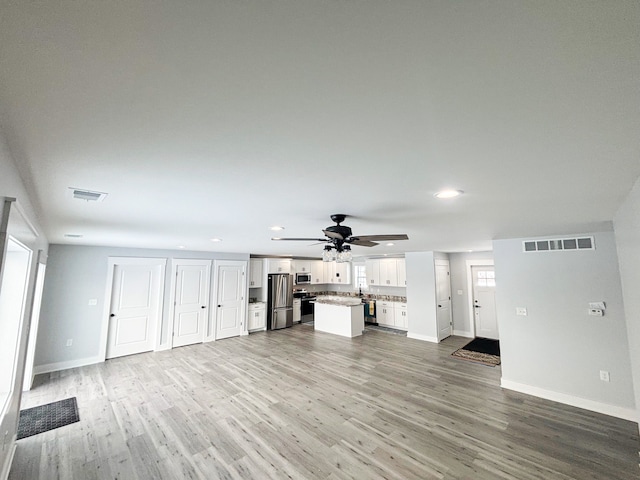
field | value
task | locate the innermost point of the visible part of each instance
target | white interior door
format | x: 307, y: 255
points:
x: 231, y: 285
x: 191, y: 301
x: 484, y: 301
x: 443, y: 300
x: 135, y: 307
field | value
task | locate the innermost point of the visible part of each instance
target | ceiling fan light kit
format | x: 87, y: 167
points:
x: 339, y: 239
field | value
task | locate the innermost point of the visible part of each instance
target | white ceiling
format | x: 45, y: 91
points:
x: 222, y: 118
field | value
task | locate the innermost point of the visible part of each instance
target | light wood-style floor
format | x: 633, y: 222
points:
x: 304, y: 405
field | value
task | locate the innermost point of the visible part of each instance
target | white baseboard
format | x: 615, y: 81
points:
x: 424, y: 338
x: 6, y: 468
x: 463, y: 333
x: 55, y: 367
x: 599, y: 407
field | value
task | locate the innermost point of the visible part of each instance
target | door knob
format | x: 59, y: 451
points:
x: 219, y: 306
x: 112, y: 315
x: 203, y: 306
x: 477, y: 306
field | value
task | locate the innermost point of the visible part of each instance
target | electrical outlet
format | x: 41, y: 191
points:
x: 604, y: 376
x: 596, y: 312
x: 69, y: 342
x: 521, y: 311
x: 93, y: 302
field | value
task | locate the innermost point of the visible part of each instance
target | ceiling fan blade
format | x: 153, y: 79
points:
x: 382, y: 238
x: 331, y: 234
x: 362, y: 243
x: 301, y: 239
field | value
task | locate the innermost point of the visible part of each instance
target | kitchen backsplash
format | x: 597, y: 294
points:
x: 388, y: 298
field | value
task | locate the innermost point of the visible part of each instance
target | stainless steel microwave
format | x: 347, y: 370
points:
x: 302, y: 278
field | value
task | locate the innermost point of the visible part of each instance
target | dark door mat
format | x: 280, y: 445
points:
x: 47, y: 417
x: 480, y: 350
x: 484, y: 345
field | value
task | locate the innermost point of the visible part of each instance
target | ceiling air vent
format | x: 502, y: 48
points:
x: 87, y: 195
x: 559, y: 244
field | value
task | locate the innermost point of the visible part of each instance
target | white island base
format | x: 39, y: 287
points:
x: 345, y: 320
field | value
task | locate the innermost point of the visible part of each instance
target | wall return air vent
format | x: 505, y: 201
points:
x: 559, y: 244
x: 87, y: 195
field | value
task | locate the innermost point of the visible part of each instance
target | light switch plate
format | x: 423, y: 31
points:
x: 521, y: 311
x: 93, y: 302
x: 597, y: 305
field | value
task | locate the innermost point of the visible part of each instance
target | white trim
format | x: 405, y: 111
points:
x: 424, y: 338
x: 474, y: 263
x: 4, y: 475
x: 462, y: 333
x: 57, y: 366
x: 599, y: 407
x: 112, y: 262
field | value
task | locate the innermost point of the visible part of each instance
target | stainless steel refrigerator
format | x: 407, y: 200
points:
x: 279, y: 301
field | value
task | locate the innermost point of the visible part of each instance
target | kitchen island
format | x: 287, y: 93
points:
x: 340, y: 316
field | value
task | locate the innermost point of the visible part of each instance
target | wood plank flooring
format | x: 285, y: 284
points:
x: 304, y: 405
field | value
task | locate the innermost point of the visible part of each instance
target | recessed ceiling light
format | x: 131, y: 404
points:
x: 73, y: 235
x: 216, y: 239
x: 448, y: 193
x: 390, y: 244
x: 181, y: 246
x: 276, y: 228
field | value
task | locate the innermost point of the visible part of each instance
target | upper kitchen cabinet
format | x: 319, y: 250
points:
x: 317, y: 272
x: 255, y: 273
x: 372, y: 267
x: 338, y: 273
x: 386, y: 272
x: 302, y: 266
x: 402, y: 272
x: 278, y: 265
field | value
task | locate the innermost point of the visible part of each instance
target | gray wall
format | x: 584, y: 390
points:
x: 460, y: 303
x: 558, y: 348
x: 627, y: 229
x: 421, y: 295
x: 76, y: 274
x: 11, y: 185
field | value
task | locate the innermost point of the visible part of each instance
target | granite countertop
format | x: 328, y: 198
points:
x: 343, y: 302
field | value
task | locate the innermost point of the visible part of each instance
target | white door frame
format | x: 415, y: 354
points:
x: 32, y: 337
x: 112, y: 262
x: 474, y: 263
x: 175, y: 262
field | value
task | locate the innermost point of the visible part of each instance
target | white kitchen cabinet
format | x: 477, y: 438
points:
x: 372, y: 268
x: 342, y: 273
x: 337, y: 273
x: 401, y: 320
x: 278, y: 265
x: 297, y: 310
x: 255, y: 273
x: 257, y: 317
x: 402, y: 272
x: 388, y: 272
x: 317, y: 272
x: 302, y: 266
x: 385, y: 313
